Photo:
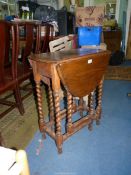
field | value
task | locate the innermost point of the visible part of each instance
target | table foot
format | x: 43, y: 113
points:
x: 43, y: 135
x: 97, y: 122
x: 59, y: 150
x: 90, y: 126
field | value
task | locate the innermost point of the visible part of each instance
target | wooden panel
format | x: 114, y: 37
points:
x: 113, y: 40
x: 128, y: 51
x: 81, y: 76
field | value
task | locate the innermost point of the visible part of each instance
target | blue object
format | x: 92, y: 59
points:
x: 89, y: 35
x: 9, y: 18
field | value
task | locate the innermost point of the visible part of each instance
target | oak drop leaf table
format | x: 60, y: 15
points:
x: 80, y: 72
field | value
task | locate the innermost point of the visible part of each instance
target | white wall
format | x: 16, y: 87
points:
x: 53, y: 3
x: 97, y: 2
x: 60, y: 4
x: 117, y: 9
x: 127, y: 21
x: 88, y: 3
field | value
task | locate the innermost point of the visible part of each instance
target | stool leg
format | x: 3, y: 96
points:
x: 59, y: 136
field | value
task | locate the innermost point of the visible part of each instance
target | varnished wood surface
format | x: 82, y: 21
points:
x: 113, y: 39
x: 65, y: 55
x: 81, y: 76
x: 8, y: 68
x: 23, y: 22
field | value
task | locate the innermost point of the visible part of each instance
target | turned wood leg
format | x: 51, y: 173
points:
x: 91, y: 109
x: 99, y: 101
x: 40, y: 109
x: 81, y: 102
x: 51, y: 106
x: 69, y: 112
x: 59, y: 136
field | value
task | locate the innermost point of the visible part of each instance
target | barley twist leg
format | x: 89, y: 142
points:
x: 40, y: 109
x: 51, y: 105
x: 69, y: 112
x: 99, y: 98
x: 91, y: 109
x: 59, y: 138
x: 81, y: 102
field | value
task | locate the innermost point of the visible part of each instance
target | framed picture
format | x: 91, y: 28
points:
x: 111, y: 9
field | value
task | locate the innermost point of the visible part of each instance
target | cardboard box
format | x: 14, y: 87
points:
x: 90, y: 16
